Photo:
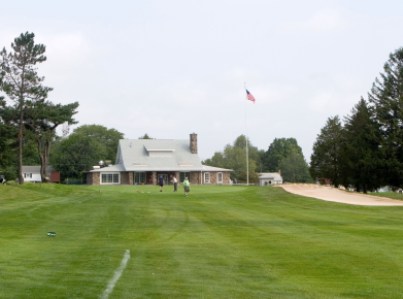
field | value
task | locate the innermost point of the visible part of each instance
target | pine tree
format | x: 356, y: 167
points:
x: 21, y: 82
x: 325, y: 159
x: 386, y: 97
x: 360, y: 153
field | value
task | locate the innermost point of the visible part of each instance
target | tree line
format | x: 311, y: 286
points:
x: 29, y: 120
x: 283, y: 155
x: 365, y: 151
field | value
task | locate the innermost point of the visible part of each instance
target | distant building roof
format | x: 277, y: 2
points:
x: 36, y: 169
x: 157, y: 155
x: 270, y: 178
x: 212, y: 168
x: 275, y: 176
x: 141, y: 155
x: 109, y: 168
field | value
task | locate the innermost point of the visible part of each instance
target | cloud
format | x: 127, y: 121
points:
x: 320, y: 22
x: 61, y: 48
x: 324, y: 21
x: 65, y: 49
x: 320, y: 102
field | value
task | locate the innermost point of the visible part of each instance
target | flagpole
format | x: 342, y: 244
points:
x: 247, y: 161
x: 249, y: 97
x: 246, y: 143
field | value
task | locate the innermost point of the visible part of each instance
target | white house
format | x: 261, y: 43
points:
x: 143, y: 161
x: 270, y: 178
x: 33, y: 174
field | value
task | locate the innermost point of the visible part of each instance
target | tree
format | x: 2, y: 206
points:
x: 108, y: 138
x: 285, y: 155
x: 75, y: 155
x: 145, y: 136
x: 84, y: 148
x: 217, y: 160
x: 9, y: 120
x: 279, y: 149
x: 294, y: 168
x: 386, y: 96
x: 21, y: 82
x: 325, y: 159
x: 7, y: 144
x: 234, y: 157
x: 42, y: 119
x: 360, y: 165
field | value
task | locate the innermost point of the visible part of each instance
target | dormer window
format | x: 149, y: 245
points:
x: 159, y: 152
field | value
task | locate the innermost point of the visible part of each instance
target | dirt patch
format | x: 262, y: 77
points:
x: 337, y: 195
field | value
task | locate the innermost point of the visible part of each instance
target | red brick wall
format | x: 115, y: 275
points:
x: 93, y: 178
x: 126, y: 178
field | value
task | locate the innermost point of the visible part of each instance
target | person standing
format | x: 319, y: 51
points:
x: 175, y: 182
x: 161, y: 182
x: 186, y: 186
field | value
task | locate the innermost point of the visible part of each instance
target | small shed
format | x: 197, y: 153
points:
x: 270, y: 178
x: 33, y: 174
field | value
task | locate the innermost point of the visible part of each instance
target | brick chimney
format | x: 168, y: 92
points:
x: 193, y: 143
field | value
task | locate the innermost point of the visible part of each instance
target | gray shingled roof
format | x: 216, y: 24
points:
x: 36, y: 169
x: 110, y: 168
x: 157, y: 155
x: 270, y: 176
x: 212, y: 168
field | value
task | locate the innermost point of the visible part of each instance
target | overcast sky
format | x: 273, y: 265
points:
x: 169, y: 68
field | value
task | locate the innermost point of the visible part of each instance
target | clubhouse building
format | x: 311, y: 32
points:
x: 143, y: 161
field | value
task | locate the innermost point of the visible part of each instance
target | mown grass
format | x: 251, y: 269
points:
x: 391, y: 194
x: 220, y: 242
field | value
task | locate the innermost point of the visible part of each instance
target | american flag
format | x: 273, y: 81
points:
x: 249, y: 96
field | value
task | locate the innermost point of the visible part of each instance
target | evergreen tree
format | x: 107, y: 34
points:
x: 387, y: 98
x: 325, y: 158
x: 42, y: 120
x: 360, y: 153
x: 7, y: 144
x: 21, y: 82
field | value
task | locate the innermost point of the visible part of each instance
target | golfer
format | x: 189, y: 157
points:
x: 161, y: 182
x: 175, y: 182
x: 186, y: 186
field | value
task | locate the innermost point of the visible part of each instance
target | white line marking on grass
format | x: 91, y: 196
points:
x: 116, y: 275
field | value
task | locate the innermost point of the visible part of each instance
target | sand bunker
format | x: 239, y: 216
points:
x: 337, y: 195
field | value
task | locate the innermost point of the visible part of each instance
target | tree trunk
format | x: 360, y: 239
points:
x: 43, y: 168
x: 20, y: 145
x: 43, y: 149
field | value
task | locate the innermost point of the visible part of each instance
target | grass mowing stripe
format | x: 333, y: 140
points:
x: 220, y: 242
x: 116, y: 275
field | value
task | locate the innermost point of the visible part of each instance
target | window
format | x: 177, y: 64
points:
x: 110, y: 178
x: 207, y: 177
x: 27, y: 175
x: 220, y: 178
x: 139, y: 178
x: 182, y: 176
